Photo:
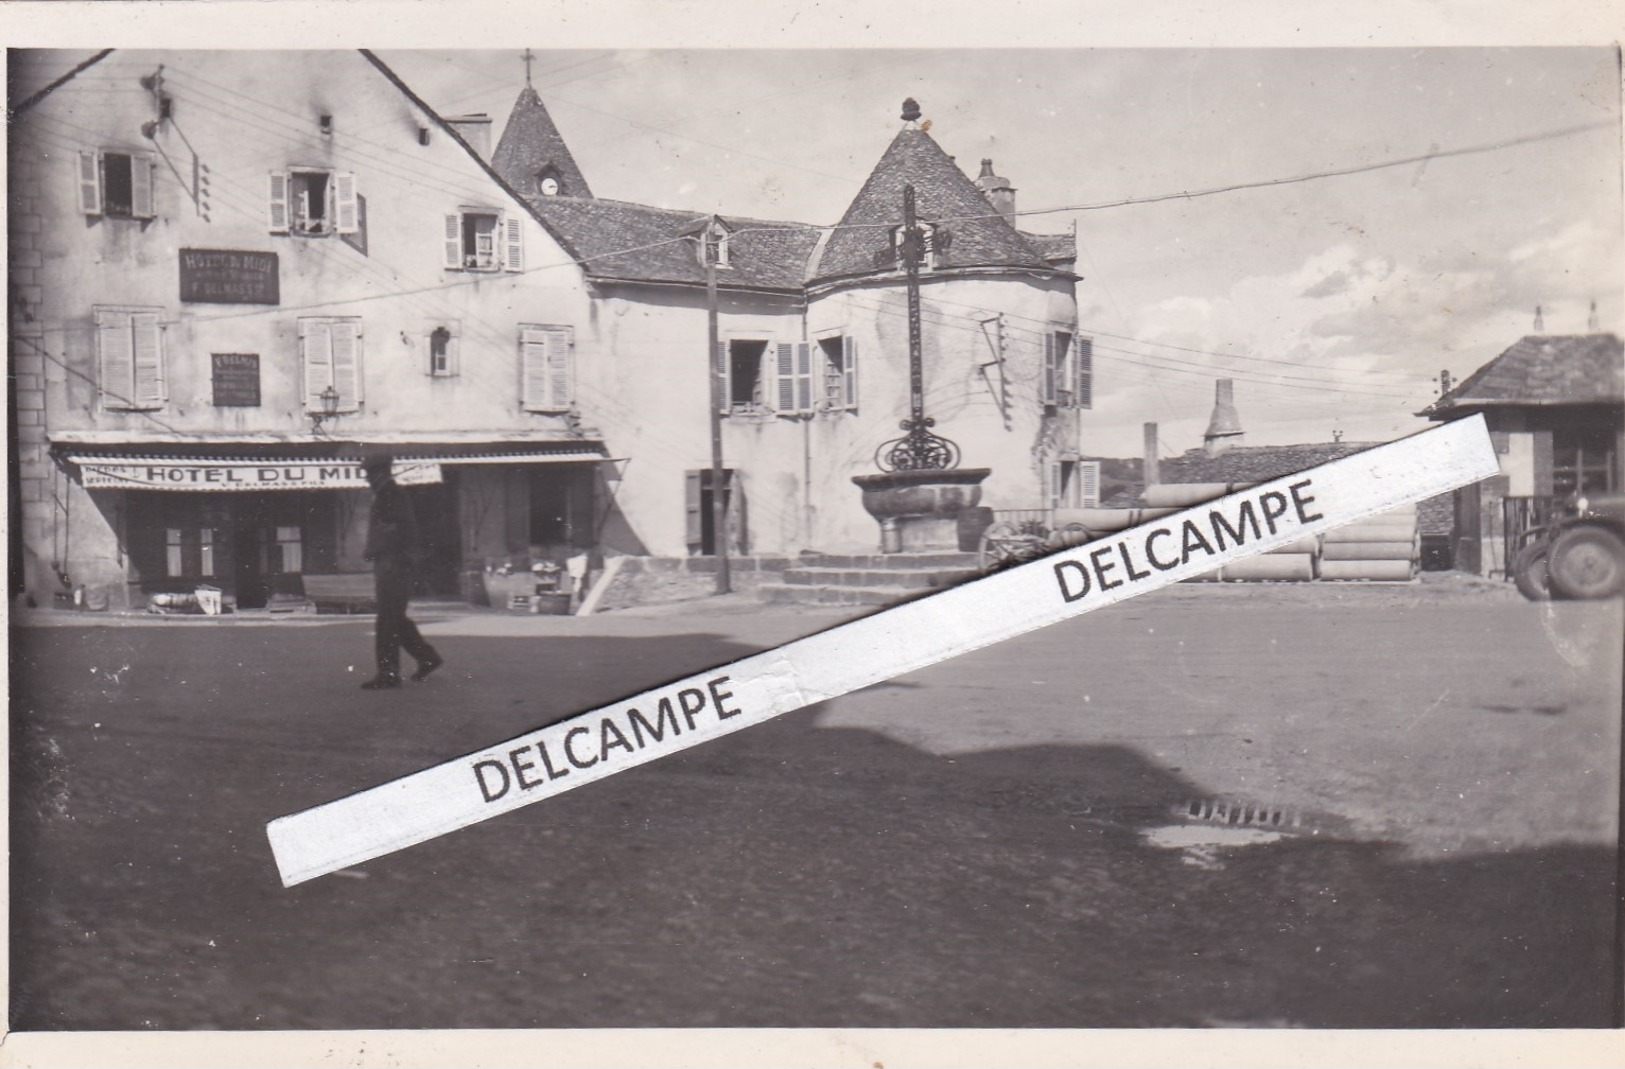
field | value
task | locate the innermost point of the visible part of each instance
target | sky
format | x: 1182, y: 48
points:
x: 1333, y: 303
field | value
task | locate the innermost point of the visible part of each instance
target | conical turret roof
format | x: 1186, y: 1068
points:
x: 532, y: 149
x: 943, y: 196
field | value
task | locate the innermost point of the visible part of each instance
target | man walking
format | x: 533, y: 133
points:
x: 392, y: 543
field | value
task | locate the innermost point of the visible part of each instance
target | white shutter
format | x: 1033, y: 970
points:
x: 783, y: 392
x: 148, y: 360
x: 1083, y: 357
x: 533, y: 368
x: 90, y: 183
x: 453, y: 235
x: 558, y: 367
x: 114, y: 344
x: 277, y: 214
x: 346, y: 352
x: 804, y: 377
x: 849, y: 373
x: 1048, y: 388
x: 346, y: 212
x: 513, y: 244
x: 316, y: 344
x: 1089, y: 483
x: 141, y: 170
x: 720, y: 383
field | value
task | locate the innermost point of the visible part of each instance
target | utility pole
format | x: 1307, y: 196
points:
x: 714, y: 360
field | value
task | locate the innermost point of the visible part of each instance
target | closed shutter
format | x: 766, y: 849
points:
x: 513, y: 244
x: 1048, y: 386
x: 783, y: 390
x: 545, y: 356
x: 720, y: 387
x: 559, y: 344
x: 1089, y: 483
x: 694, y: 529
x: 849, y: 373
x: 346, y: 212
x: 316, y: 347
x: 148, y: 359
x: 141, y: 202
x: 90, y: 183
x: 454, y: 240
x: 277, y: 212
x: 346, y: 335
x: 114, y: 343
x: 1083, y: 391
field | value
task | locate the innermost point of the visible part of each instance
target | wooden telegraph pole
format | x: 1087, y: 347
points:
x: 715, y: 360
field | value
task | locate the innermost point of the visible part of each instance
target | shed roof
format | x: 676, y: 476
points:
x: 1542, y: 369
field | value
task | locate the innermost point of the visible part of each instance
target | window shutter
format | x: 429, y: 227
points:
x: 346, y: 212
x: 720, y: 387
x: 141, y: 169
x: 533, y: 370
x: 114, y: 343
x: 277, y: 215
x: 849, y: 372
x: 513, y: 244
x: 1083, y: 355
x: 784, y: 378
x: 454, y: 241
x: 1089, y: 483
x: 1047, y: 394
x: 148, y: 360
x: 346, y: 352
x: 316, y: 343
x: 804, y: 377
x: 90, y: 183
x: 694, y: 529
x: 558, y: 367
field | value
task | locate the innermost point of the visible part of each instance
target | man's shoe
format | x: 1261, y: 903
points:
x: 382, y: 683
x: 425, y: 668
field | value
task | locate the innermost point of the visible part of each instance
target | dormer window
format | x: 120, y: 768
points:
x: 928, y: 234
x: 713, y: 245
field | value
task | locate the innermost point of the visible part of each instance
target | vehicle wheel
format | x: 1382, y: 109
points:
x: 1588, y: 562
x: 1000, y: 546
x: 1071, y: 536
x: 1530, y: 573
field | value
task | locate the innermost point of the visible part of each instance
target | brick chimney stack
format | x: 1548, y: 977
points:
x: 998, y: 191
x: 1224, y: 429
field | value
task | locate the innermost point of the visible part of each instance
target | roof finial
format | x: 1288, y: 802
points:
x: 1540, y: 321
x: 911, y: 110
x: 527, y: 57
x: 1592, y: 323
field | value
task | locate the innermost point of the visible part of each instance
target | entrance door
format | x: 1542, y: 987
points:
x: 702, y: 540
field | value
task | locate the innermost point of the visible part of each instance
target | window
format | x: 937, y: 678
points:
x: 1075, y: 484
x: 1068, y: 380
x: 928, y: 258
x: 840, y: 369
x: 285, y: 551
x: 440, y: 347
x: 189, y: 552
x: 545, y: 367
x: 330, y: 350
x: 714, y: 244
x: 130, y: 357
x: 1582, y: 460
x: 764, y: 379
x: 742, y: 368
x: 483, y: 240
x: 117, y: 185
x: 313, y: 203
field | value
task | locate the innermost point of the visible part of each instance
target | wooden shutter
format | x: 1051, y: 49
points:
x: 346, y: 349
x: 694, y: 529
x: 454, y: 240
x: 277, y: 213
x: 804, y: 377
x: 346, y: 212
x: 720, y: 386
x: 1083, y: 356
x: 513, y: 244
x: 1089, y: 484
x: 141, y: 202
x: 316, y: 347
x: 114, y: 343
x: 90, y: 183
x: 1048, y: 387
x: 148, y: 360
x: 559, y: 344
x: 533, y: 368
x: 849, y: 373
x: 783, y: 392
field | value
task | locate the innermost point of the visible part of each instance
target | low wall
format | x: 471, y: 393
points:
x: 657, y: 580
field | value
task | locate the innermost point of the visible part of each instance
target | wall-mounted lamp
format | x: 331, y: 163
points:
x: 330, y: 408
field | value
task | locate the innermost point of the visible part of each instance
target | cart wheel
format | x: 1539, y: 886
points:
x: 1073, y: 535
x: 1000, y: 546
x: 1530, y: 571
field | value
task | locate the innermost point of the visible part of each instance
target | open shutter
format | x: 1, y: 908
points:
x: 346, y: 348
x: 346, y: 212
x: 513, y: 244
x: 90, y: 183
x: 141, y: 170
x: 114, y: 342
x: 1089, y: 484
x: 1049, y: 384
x: 148, y: 359
x: 1083, y: 355
x: 804, y: 377
x: 719, y: 377
x: 454, y: 240
x: 533, y: 368
x: 316, y: 345
x: 277, y: 213
x: 783, y: 393
x: 559, y: 342
x: 849, y: 373
x: 694, y: 530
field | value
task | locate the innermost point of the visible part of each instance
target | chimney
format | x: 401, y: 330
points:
x: 998, y: 191
x: 1148, y: 467
x: 475, y: 129
x: 1224, y: 429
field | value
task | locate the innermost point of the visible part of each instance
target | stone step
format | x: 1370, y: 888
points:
x: 927, y: 578
x: 798, y: 594
x: 887, y: 561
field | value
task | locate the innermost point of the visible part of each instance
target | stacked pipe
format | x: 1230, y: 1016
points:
x: 1386, y: 547
x: 1293, y: 562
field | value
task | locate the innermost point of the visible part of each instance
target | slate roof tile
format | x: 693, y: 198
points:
x: 1557, y: 369
x: 531, y: 146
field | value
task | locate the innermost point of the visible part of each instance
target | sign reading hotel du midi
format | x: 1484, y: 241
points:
x: 240, y: 474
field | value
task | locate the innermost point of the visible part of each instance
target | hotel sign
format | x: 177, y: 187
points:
x: 137, y: 474
x: 229, y: 276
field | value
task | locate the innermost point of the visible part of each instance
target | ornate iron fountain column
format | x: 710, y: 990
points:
x: 919, y: 449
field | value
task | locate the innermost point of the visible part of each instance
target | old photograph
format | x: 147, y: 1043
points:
x: 373, y: 407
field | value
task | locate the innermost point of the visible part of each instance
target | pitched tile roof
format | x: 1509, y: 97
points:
x: 1056, y: 248
x: 531, y: 147
x: 1558, y: 369
x: 762, y: 254
x: 981, y: 237
x: 1253, y: 463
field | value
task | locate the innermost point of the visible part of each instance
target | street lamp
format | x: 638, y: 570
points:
x: 330, y: 408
